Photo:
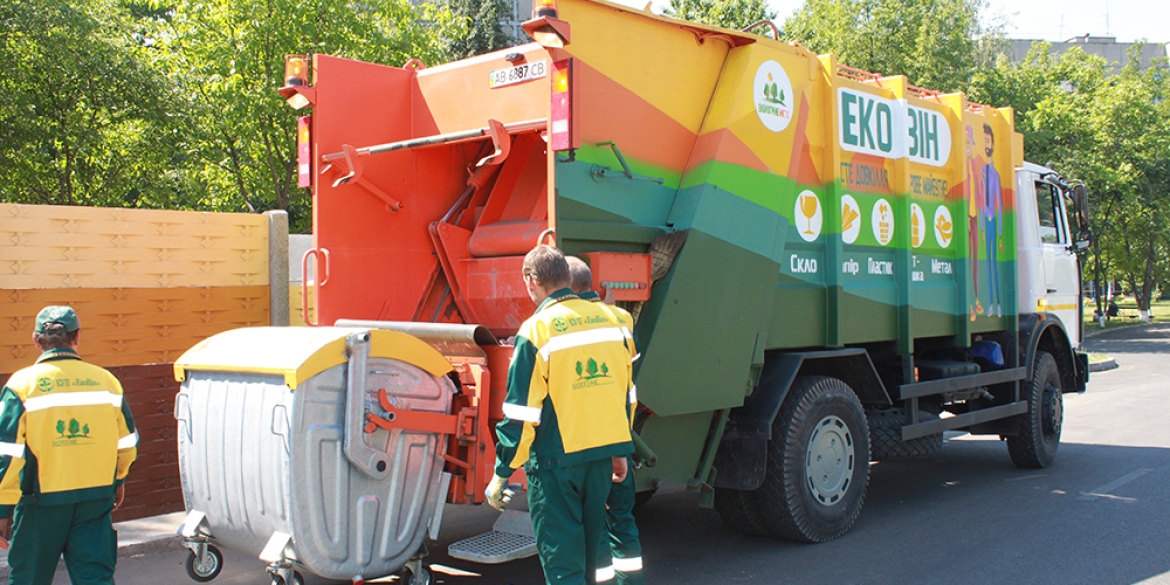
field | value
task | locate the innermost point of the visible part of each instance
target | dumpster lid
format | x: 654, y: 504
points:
x: 299, y: 353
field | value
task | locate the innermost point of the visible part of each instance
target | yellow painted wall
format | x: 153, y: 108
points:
x: 147, y: 284
x: 296, y: 316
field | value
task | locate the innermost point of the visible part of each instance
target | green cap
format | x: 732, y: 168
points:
x: 57, y: 314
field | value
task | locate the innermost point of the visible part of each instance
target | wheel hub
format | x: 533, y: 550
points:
x: 205, y: 566
x: 830, y: 460
x: 1053, y: 413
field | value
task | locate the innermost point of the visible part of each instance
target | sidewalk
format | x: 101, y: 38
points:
x: 134, y: 537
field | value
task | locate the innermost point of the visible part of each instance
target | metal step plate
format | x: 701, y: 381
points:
x: 511, y: 538
x: 493, y: 548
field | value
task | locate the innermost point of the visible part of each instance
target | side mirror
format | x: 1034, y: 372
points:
x: 1080, y: 196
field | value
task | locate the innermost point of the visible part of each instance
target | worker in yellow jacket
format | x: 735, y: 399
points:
x: 623, y: 559
x: 566, y: 419
x: 67, y: 440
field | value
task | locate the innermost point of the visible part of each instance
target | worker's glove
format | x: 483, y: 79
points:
x: 498, y: 494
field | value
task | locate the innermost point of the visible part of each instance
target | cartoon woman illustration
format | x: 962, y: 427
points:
x: 975, y: 202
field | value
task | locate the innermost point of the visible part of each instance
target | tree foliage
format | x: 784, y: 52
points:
x: 482, y: 22
x: 935, y: 43
x: 84, y: 120
x: 1111, y: 131
x: 172, y: 103
x: 227, y: 58
x: 732, y: 14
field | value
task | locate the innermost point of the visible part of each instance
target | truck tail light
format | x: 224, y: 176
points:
x: 304, y: 153
x: 561, y: 135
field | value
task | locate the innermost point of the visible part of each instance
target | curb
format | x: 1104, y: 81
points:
x: 1104, y: 366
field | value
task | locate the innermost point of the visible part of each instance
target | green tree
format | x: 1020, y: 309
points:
x: 74, y: 427
x: 482, y: 32
x: 579, y: 369
x: 732, y: 14
x: 604, y: 370
x: 1131, y: 136
x: 227, y: 58
x: 61, y: 428
x: 84, y: 119
x: 85, y: 430
x: 591, y: 368
x: 935, y: 43
x: 1113, y: 132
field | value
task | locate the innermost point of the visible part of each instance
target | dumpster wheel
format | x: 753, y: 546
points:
x: 206, y: 570
x: 296, y: 578
x: 422, y: 577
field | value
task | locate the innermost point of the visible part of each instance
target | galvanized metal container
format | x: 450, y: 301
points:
x: 273, y: 451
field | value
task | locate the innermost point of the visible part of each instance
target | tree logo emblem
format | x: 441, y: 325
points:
x: 559, y: 325
x: 773, y: 97
x: 76, y: 429
x: 590, y: 369
x: 44, y: 384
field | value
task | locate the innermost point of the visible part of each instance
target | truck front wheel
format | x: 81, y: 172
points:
x: 818, y: 462
x: 1039, y: 428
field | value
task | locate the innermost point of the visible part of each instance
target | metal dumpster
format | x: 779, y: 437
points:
x: 275, y: 460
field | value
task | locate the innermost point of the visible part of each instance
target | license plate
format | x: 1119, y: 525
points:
x: 518, y: 74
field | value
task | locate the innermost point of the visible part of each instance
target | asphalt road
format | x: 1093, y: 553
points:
x: 1099, y: 516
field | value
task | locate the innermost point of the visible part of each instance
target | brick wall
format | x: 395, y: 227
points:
x: 153, y: 487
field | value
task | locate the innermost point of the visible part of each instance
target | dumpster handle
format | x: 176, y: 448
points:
x: 373, y: 463
x: 183, y: 413
x: 283, y: 417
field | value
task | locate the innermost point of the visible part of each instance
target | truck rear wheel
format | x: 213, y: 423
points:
x: 818, y: 462
x: 739, y: 510
x: 1039, y: 429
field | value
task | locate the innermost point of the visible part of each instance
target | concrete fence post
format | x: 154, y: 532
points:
x: 278, y: 266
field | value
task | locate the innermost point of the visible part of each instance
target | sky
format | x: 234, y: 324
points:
x: 1059, y: 20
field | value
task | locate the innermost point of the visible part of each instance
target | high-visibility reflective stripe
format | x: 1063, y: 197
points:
x: 580, y: 338
x: 636, y: 357
x: 12, y: 450
x: 524, y: 413
x: 36, y: 403
x: 605, y: 574
x: 128, y: 441
x: 627, y: 333
x: 633, y: 394
x: 627, y: 565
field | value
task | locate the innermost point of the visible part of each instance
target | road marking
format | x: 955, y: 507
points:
x: 1026, y: 477
x: 1103, y: 491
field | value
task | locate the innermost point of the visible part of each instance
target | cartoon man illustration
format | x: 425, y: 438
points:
x: 992, y: 205
x: 975, y: 200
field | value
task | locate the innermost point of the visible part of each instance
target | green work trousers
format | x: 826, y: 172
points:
x: 568, y: 517
x: 82, y: 532
x: 624, y: 546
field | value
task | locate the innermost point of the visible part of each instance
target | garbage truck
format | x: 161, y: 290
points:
x: 826, y: 267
